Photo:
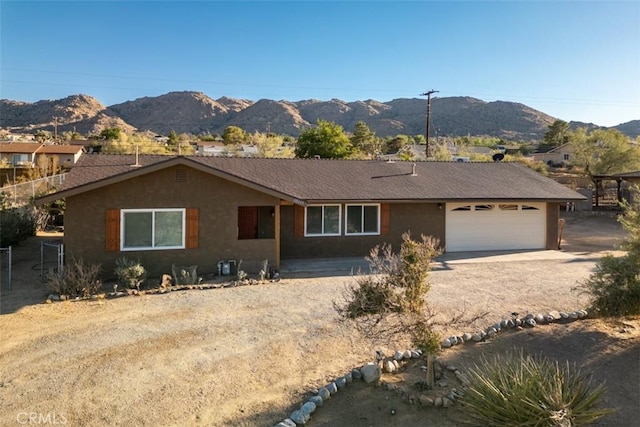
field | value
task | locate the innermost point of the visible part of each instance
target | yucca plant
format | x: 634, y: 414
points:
x: 519, y: 390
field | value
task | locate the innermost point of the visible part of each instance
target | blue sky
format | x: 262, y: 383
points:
x: 574, y: 60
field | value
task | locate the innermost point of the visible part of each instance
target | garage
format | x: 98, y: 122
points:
x: 495, y: 226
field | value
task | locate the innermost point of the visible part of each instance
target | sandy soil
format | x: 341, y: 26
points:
x: 248, y: 356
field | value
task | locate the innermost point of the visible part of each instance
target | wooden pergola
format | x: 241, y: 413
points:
x: 631, y: 177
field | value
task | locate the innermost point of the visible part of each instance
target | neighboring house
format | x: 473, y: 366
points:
x: 211, y: 149
x: 555, y: 156
x: 19, y: 154
x: 67, y: 155
x: 201, y: 210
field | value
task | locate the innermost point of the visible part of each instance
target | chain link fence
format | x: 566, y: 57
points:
x: 21, y: 194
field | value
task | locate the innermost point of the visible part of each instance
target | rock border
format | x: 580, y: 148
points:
x: 371, y: 372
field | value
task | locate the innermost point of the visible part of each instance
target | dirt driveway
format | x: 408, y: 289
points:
x: 248, y: 356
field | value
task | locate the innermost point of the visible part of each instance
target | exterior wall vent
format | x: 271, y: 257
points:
x: 181, y: 175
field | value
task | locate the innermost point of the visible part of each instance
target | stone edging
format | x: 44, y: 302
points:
x: 372, y: 371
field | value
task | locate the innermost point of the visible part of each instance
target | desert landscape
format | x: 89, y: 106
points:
x: 250, y: 355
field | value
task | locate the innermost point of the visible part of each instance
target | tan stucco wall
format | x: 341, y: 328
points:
x: 217, y: 200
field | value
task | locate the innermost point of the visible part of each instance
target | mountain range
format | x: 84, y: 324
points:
x: 196, y: 113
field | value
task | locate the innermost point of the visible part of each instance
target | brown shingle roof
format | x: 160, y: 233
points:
x: 309, y: 180
x: 19, y: 147
x: 59, y: 149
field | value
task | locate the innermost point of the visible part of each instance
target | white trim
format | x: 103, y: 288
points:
x: 323, y: 234
x: 362, y: 205
x: 153, y: 212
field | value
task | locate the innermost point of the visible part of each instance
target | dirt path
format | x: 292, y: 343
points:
x: 241, y: 356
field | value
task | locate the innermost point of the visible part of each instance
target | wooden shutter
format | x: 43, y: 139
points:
x: 384, y: 218
x: 112, y: 232
x: 298, y: 221
x: 192, y: 228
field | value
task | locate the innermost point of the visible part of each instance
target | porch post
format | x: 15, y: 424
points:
x: 277, y: 232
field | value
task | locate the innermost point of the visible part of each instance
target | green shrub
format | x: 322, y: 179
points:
x: 16, y: 225
x: 75, y: 279
x: 130, y: 273
x: 614, y: 288
x: 518, y: 390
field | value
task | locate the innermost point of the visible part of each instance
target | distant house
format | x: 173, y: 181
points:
x: 202, y: 210
x: 67, y: 155
x: 19, y: 154
x: 557, y: 155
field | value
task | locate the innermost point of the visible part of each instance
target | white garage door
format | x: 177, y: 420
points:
x: 495, y: 226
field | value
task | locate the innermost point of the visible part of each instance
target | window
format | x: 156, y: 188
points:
x: 484, y: 207
x: 508, y: 207
x: 565, y: 157
x: 256, y: 222
x: 463, y: 208
x: 322, y: 220
x: 20, y: 159
x: 529, y: 208
x: 362, y: 219
x: 144, y: 229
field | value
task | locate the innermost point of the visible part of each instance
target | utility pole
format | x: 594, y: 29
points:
x: 55, y: 129
x: 428, y: 95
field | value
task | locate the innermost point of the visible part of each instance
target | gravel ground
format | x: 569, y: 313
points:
x: 237, y: 356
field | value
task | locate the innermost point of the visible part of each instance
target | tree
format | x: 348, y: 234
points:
x: 326, y: 140
x: 557, y: 135
x: 233, y: 135
x: 396, y: 144
x: 392, y: 302
x: 173, y: 138
x: 42, y: 136
x: 271, y: 145
x: 364, y: 140
x: 111, y: 134
x: 604, y: 151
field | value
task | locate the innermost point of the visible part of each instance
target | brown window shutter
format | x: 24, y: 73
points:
x: 298, y: 221
x: 384, y: 218
x: 112, y: 233
x: 192, y: 228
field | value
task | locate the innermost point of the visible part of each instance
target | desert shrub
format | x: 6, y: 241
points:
x: 16, y: 225
x: 130, y: 273
x: 75, y: 279
x: 518, y: 390
x: 614, y: 288
x: 399, y: 281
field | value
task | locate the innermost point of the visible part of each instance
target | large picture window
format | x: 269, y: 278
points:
x: 144, y: 229
x: 322, y: 220
x: 362, y: 219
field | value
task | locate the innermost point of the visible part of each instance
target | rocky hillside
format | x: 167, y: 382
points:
x: 195, y: 112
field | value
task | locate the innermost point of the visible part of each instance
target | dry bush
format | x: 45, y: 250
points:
x: 391, y: 301
x: 75, y: 279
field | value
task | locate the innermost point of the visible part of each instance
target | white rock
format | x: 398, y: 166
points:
x: 406, y: 354
x: 388, y: 366
x: 446, y: 343
x: 398, y: 355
